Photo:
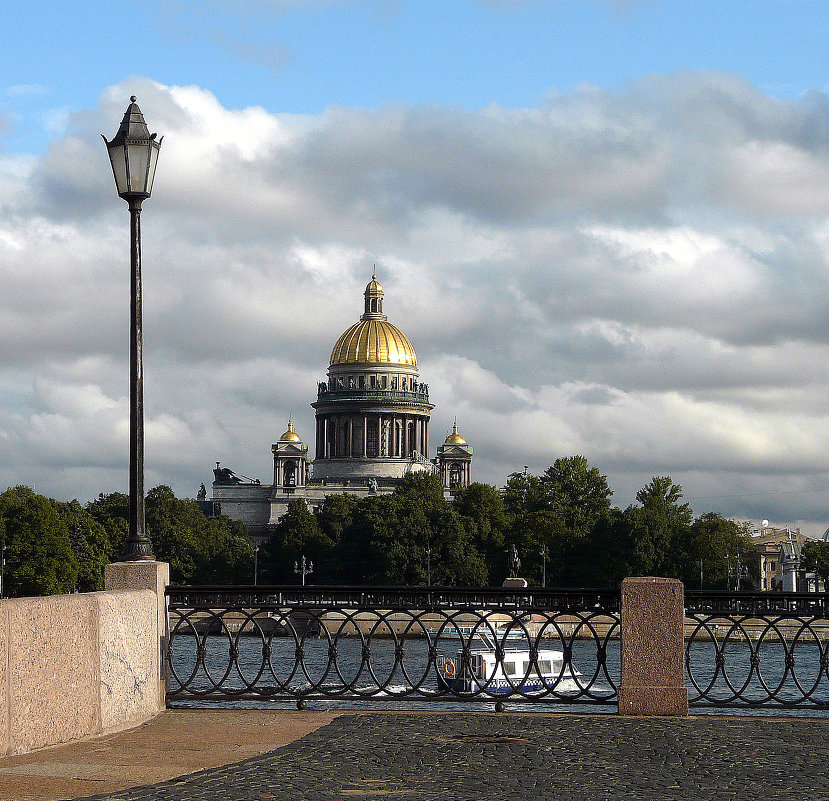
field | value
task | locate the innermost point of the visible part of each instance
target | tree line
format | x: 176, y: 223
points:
x: 561, y: 522
x: 57, y: 547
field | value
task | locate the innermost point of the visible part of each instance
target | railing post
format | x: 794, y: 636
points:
x: 653, y: 647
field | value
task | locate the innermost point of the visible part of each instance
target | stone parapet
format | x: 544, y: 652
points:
x: 77, y: 665
x: 652, y: 630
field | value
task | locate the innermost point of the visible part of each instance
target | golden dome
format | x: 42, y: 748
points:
x: 374, y: 341
x: 290, y: 435
x: 455, y: 438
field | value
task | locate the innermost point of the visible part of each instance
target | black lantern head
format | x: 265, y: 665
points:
x: 133, y: 153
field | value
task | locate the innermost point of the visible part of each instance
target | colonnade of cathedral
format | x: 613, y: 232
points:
x: 371, y: 435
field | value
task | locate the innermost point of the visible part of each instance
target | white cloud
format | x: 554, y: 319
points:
x: 640, y: 277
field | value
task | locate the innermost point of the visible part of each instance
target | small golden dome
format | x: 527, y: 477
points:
x: 455, y: 438
x: 374, y: 285
x: 290, y: 435
x: 374, y: 341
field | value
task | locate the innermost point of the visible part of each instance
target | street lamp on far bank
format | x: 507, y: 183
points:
x: 303, y: 568
x: 133, y: 153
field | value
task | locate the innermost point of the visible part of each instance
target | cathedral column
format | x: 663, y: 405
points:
x: 351, y: 436
x: 405, y: 453
x: 365, y: 435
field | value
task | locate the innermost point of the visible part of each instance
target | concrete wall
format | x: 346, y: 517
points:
x: 76, y: 665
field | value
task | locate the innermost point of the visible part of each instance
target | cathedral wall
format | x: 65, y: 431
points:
x: 248, y: 503
x: 349, y: 469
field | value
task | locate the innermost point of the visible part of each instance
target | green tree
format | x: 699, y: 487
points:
x: 712, y: 537
x: 815, y: 557
x: 90, y: 544
x: 484, y: 516
x: 392, y: 539
x: 659, y: 530
x: 297, y: 534
x: 335, y: 514
x: 577, y: 493
x: 39, y: 555
x: 198, y: 550
x: 523, y: 495
x: 112, y: 511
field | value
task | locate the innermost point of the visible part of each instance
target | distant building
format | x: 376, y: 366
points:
x: 779, y: 551
x: 372, y: 419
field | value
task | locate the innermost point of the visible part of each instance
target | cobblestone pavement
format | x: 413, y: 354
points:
x: 409, y: 757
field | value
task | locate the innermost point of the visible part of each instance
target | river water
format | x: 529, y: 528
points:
x: 382, y: 684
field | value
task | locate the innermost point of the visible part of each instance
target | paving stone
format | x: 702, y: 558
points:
x: 435, y: 757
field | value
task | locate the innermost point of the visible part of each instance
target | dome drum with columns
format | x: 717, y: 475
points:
x: 372, y: 415
x: 371, y: 428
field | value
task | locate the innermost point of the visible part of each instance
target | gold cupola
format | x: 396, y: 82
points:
x: 290, y: 435
x: 374, y: 340
x: 455, y: 438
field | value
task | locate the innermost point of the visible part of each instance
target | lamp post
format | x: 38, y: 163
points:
x: 428, y: 565
x: 133, y: 153
x: 738, y: 572
x: 303, y: 568
x: 542, y: 552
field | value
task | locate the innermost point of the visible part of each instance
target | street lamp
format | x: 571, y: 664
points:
x: 542, y: 552
x: 739, y: 572
x: 133, y: 153
x: 303, y: 568
x: 428, y: 565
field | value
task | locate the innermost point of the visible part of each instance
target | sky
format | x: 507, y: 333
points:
x: 604, y: 225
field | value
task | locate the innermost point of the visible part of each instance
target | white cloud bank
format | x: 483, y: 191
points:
x: 640, y: 277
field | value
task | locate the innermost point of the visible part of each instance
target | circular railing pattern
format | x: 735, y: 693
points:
x: 735, y: 659
x: 321, y: 650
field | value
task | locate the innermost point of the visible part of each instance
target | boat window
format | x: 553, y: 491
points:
x: 545, y: 667
x: 509, y: 668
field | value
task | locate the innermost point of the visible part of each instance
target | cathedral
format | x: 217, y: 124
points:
x: 371, y: 429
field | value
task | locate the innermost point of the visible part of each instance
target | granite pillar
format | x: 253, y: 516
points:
x: 653, y: 647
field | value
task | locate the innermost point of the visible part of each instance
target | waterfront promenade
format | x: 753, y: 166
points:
x: 319, y: 756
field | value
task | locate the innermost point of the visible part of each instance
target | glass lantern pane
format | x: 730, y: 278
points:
x: 138, y: 154
x: 154, y: 148
x: 118, y: 159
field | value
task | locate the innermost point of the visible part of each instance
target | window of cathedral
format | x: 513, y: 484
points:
x: 371, y: 438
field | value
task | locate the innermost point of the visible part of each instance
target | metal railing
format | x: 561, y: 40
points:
x: 391, y: 643
x: 757, y: 649
x: 373, y: 394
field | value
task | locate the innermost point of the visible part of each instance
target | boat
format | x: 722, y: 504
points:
x: 483, y: 631
x: 515, y: 673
